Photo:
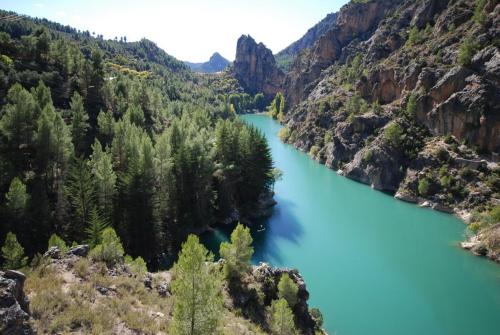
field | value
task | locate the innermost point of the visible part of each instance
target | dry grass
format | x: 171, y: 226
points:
x: 68, y: 302
x: 74, y: 302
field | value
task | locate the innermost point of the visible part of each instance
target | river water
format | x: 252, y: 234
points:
x: 372, y: 264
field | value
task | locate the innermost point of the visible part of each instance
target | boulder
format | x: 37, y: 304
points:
x: 53, y: 253
x: 79, y: 250
x: 14, y: 305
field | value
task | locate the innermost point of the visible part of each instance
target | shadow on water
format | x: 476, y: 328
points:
x: 282, y: 226
x: 266, y: 233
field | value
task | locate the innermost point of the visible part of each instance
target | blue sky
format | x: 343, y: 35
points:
x: 187, y: 29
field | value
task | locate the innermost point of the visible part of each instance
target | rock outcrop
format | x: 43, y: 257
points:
x: 14, y: 306
x: 403, y: 95
x: 308, y: 40
x: 255, y: 68
x: 356, y: 21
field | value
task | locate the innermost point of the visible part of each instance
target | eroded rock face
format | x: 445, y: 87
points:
x: 255, y: 68
x: 14, y: 306
x: 377, y: 165
x: 356, y: 21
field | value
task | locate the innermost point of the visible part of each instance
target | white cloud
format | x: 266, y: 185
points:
x: 39, y: 5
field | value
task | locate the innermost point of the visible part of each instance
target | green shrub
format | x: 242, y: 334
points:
x: 393, y: 133
x: 466, y: 51
x: 110, y: 250
x: 288, y: 290
x: 284, y: 134
x: 423, y: 187
x: 445, y: 181
x: 13, y: 253
x: 415, y: 36
x: 314, y: 151
x: 479, y: 15
x: 138, y: 265
x: 367, y: 155
x: 411, y: 106
x: 442, y: 154
x: 328, y: 136
x: 56, y: 241
x: 495, y: 214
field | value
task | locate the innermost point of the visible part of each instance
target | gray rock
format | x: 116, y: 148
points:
x: 14, y: 306
x: 53, y: 253
x: 163, y: 290
x: 148, y: 281
x: 79, y: 250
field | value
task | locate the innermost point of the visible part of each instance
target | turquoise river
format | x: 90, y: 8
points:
x: 373, y: 264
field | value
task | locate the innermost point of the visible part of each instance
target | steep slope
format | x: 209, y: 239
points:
x: 68, y: 292
x: 255, y: 68
x: 286, y: 57
x: 402, y: 95
x: 80, y: 114
x: 216, y: 63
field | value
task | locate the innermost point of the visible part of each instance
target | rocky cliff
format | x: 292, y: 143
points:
x: 403, y: 95
x: 255, y: 68
x: 285, y: 57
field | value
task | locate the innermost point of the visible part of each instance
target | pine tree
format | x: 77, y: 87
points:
x: 238, y: 253
x: 13, y: 253
x: 104, y: 179
x: 53, y: 144
x: 17, y: 125
x: 288, y: 289
x: 411, y: 106
x: 135, y: 115
x: 42, y: 96
x: 79, y: 125
x: 95, y: 228
x: 17, y: 197
x: 281, y: 318
x: 105, y: 123
x: 80, y: 193
x: 197, y: 292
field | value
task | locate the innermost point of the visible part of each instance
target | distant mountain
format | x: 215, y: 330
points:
x: 285, y: 57
x: 215, y: 64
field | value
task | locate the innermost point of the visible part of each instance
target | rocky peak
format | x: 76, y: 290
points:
x: 255, y: 68
x: 216, y: 63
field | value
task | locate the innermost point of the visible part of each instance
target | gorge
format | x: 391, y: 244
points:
x: 323, y: 186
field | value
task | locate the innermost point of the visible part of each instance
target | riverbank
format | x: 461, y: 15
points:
x: 443, y: 175
x: 368, y: 258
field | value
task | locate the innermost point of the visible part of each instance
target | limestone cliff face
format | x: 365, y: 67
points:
x: 255, y: 68
x: 417, y: 113
x: 356, y: 21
